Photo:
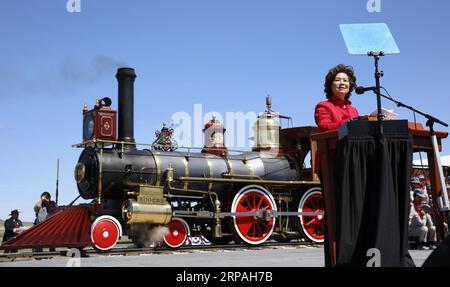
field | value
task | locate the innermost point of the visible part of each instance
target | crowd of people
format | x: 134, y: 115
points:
x: 421, y: 226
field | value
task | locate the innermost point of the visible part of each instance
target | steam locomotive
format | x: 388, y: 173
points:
x: 249, y: 197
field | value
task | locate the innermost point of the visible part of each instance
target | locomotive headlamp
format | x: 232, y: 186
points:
x: 100, y: 122
x: 80, y: 172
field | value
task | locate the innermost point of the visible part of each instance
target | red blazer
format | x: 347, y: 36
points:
x: 332, y: 114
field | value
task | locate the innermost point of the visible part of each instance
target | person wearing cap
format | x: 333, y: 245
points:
x: 420, y: 222
x: 423, y: 183
x: 415, y: 183
x: 43, y: 209
x: 13, y: 227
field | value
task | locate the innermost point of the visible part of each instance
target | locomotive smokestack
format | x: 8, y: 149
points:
x: 125, y: 78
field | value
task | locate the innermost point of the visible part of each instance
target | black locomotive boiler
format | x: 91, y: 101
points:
x: 248, y: 196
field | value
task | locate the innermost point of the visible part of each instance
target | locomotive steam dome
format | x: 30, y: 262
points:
x: 267, y: 130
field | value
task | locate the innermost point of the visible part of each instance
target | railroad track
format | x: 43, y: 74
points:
x: 133, y: 251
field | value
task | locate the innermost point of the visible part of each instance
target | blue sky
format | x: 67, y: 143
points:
x: 225, y: 55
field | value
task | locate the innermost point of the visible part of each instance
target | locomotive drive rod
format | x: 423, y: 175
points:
x: 260, y: 214
x: 273, y: 212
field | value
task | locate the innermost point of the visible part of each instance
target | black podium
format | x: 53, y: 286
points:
x: 371, y: 193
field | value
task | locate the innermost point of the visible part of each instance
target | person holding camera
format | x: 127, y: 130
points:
x: 43, y: 207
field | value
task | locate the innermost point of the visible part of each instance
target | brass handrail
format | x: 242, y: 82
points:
x: 232, y: 180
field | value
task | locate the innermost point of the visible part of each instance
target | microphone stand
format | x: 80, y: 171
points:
x: 444, y: 205
x: 378, y: 74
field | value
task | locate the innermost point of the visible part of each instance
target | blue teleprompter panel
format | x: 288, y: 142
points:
x: 361, y: 39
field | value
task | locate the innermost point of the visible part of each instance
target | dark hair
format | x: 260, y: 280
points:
x: 46, y: 193
x: 341, y: 68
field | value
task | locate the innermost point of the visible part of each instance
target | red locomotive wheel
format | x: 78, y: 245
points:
x: 253, y: 230
x: 178, y: 233
x: 312, y: 226
x: 105, y: 232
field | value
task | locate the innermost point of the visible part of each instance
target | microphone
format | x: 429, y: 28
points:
x: 361, y: 90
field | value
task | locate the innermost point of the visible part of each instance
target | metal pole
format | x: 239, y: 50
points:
x: 377, y: 85
x: 100, y: 175
x: 443, y: 200
x: 378, y: 74
x: 57, y: 181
